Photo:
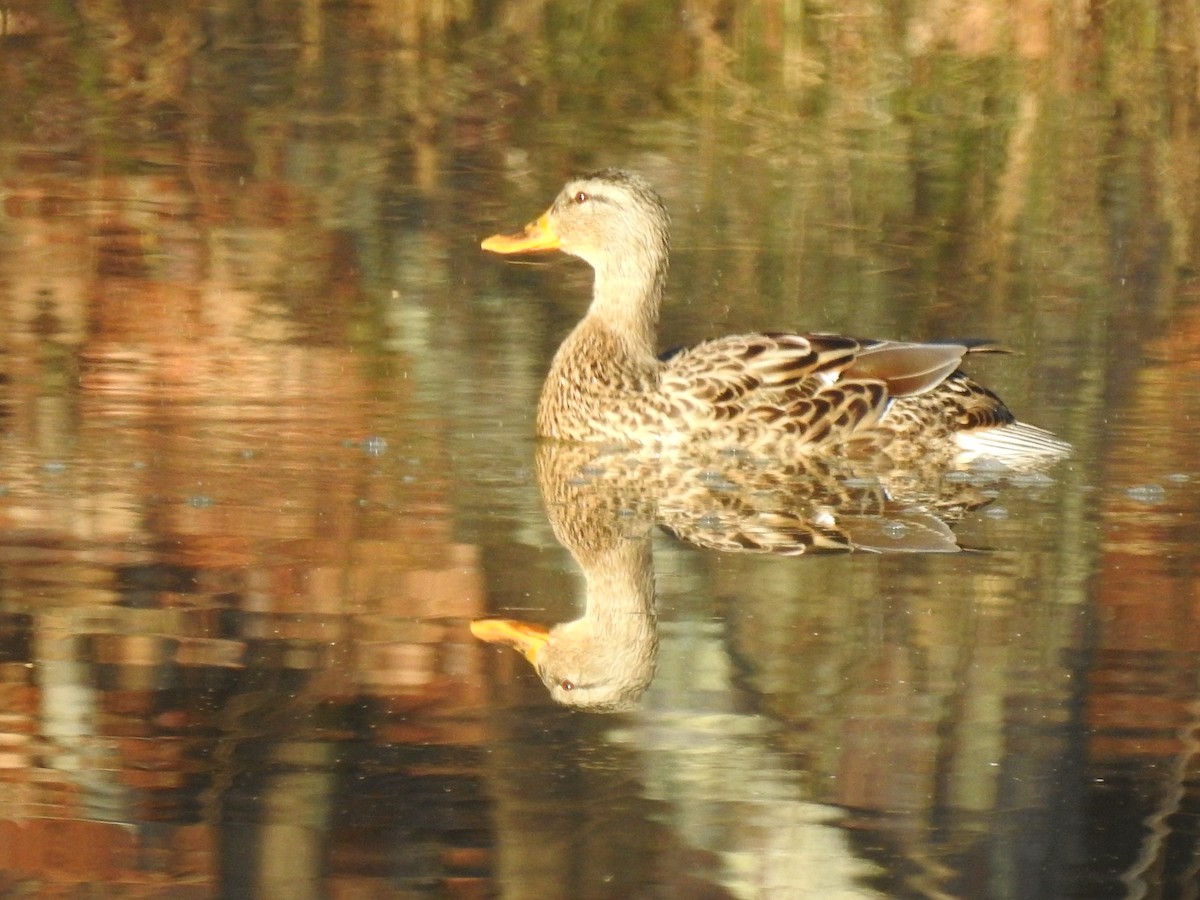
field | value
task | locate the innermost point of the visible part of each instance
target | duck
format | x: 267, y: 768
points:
x: 774, y: 393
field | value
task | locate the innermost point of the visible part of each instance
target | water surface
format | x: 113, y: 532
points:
x: 266, y: 452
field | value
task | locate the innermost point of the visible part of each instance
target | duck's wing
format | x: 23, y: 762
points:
x: 779, y: 532
x: 816, y: 387
x: 765, y: 360
x: 730, y: 375
x: 788, y: 533
x: 910, y: 368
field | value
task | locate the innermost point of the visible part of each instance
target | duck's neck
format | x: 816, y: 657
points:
x: 619, y: 616
x: 619, y: 584
x: 609, y: 358
x: 627, y: 296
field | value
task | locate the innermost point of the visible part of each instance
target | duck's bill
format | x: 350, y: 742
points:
x: 535, y: 237
x: 527, y: 637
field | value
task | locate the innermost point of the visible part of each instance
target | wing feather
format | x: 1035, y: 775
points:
x: 908, y: 369
x: 805, y: 384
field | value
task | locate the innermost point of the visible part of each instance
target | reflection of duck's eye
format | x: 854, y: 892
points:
x: 567, y: 685
x: 581, y: 198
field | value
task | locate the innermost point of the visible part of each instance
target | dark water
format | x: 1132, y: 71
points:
x: 266, y: 452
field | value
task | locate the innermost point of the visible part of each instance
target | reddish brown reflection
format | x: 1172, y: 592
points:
x: 234, y: 594
x: 1145, y: 680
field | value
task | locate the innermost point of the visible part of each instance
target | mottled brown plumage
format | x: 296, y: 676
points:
x: 783, y: 394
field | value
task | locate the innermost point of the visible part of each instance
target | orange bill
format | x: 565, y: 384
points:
x: 536, y: 236
x: 527, y: 637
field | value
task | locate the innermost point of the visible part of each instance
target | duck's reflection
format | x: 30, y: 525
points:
x: 604, y: 504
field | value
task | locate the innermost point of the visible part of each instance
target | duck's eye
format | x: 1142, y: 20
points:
x: 582, y: 198
x: 567, y: 684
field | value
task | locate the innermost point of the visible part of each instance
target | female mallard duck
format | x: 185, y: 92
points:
x: 768, y: 393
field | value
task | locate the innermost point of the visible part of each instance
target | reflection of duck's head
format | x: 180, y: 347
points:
x: 604, y: 660
x: 581, y: 664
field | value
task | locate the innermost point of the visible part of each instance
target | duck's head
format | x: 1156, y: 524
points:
x: 608, y: 217
x: 580, y: 666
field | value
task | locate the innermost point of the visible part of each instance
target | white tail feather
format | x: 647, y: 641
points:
x: 1012, y: 444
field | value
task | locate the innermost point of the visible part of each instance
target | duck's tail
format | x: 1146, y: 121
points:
x: 1015, y: 444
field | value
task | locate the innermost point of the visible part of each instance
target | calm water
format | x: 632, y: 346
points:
x: 266, y: 452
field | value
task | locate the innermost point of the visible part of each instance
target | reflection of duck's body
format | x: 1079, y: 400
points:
x: 603, y: 503
x: 780, y: 393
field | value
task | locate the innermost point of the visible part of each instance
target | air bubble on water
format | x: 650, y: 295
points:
x: 374, y: 446
x: 1031, y: 479
x: 1146, y: 493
